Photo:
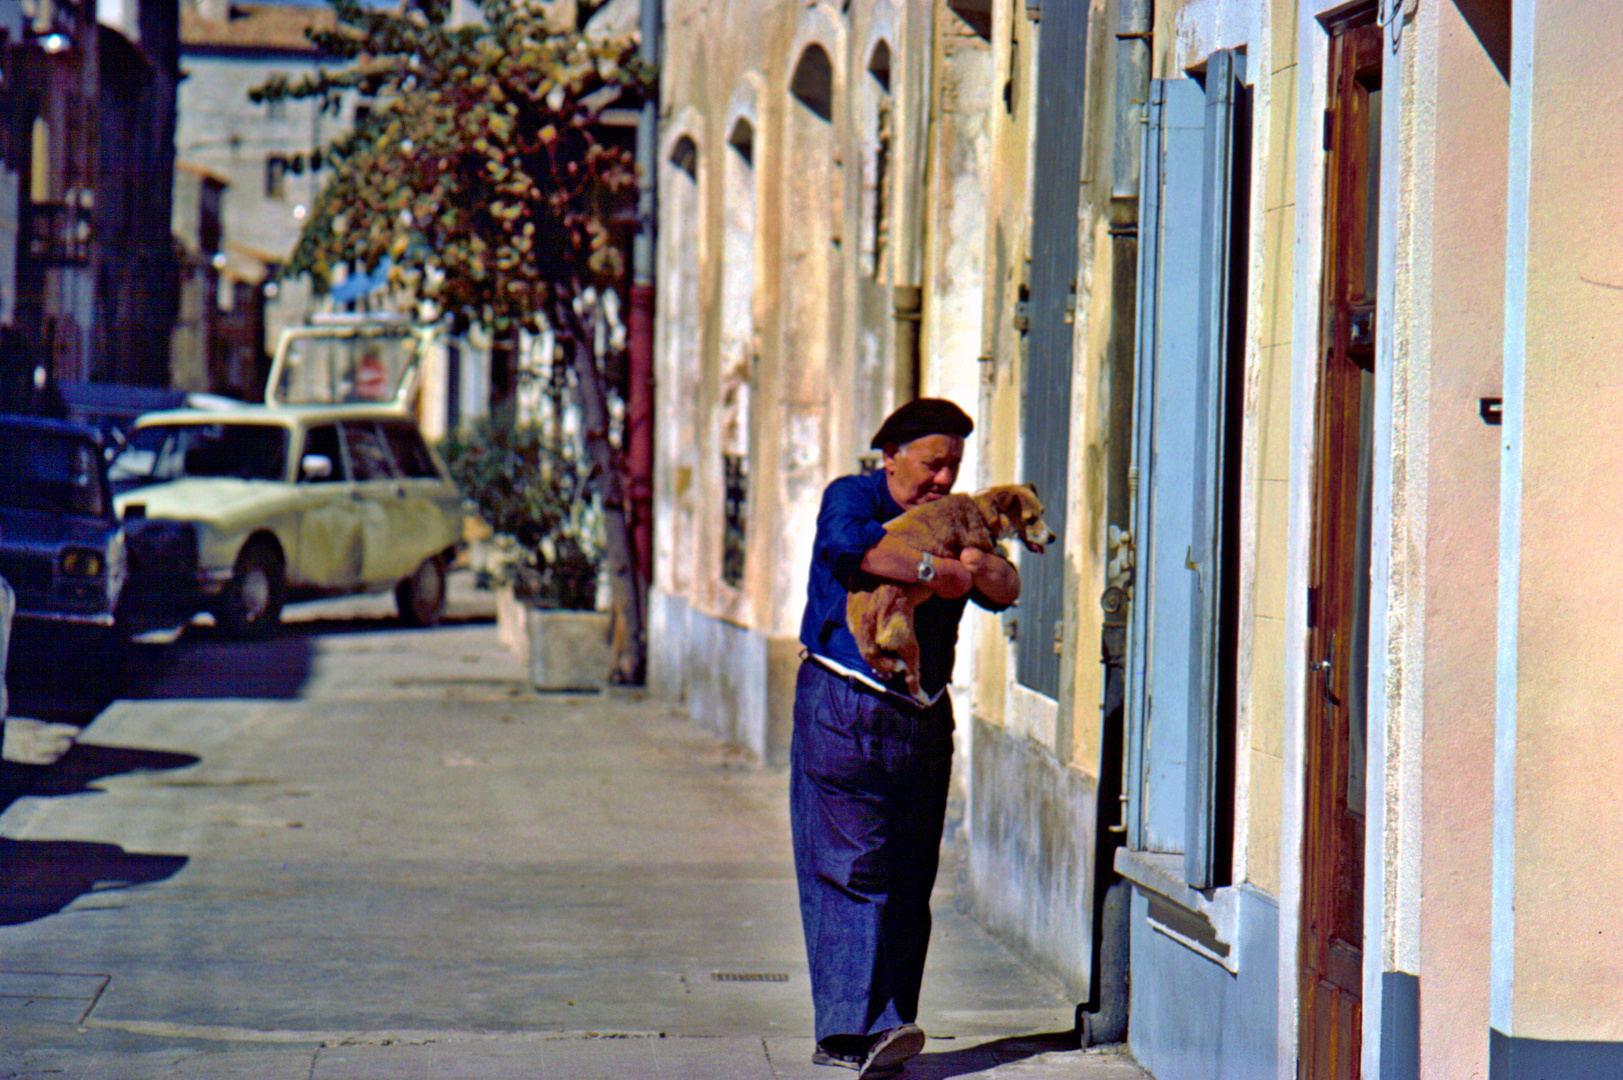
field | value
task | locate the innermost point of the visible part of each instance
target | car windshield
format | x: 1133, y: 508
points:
x: 49, y: 471
x: 157, y: 454
x: 344, y: 368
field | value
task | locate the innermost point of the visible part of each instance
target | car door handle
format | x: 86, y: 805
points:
x: 401, y: 491
x: 357, y: 495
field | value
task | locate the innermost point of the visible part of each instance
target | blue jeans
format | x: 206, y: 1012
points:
x: 867, y: 798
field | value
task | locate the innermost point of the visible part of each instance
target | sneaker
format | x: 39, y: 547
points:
x: 821, y: 1056
x: 890, y: 1050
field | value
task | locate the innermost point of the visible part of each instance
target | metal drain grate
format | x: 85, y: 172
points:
x: 749, y: 976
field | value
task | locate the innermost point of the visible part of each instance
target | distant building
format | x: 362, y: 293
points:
x: 241, y: 195
x: 86, y: 264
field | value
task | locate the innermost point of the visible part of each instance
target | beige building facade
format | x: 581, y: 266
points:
x: 1295, y: 310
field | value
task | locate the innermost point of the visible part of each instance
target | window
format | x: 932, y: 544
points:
x: 369, y: 457
x: 39, y: 173
x: 155, y: 455
x: 409, y: 451
x: 323, y: 441
x: 876, y: 155
x: 50, y: 472
x: 1190, y: 366
x: 735, y: 537
x: 276, y: 108
x: 275, y: 176
x: 737, y: 359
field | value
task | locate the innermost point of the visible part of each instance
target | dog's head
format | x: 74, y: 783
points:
x: 1014, y: 510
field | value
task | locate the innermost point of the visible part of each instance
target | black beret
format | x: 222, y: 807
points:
x: 921, y: 417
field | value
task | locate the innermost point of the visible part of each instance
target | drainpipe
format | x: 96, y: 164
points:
x: 1106, y: 1021
x: 640, y: 322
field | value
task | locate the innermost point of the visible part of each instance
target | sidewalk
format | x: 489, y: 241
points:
x: 410, y: 865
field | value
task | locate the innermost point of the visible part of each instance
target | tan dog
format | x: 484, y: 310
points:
x: 881, y: 618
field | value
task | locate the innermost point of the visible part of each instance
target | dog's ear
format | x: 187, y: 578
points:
x: 1007, y: 501
x: 1033, y: 486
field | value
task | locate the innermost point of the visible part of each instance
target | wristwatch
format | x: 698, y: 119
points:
x: 926, y: 571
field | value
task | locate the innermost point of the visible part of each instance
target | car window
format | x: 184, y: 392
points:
x: 53, y: 472
x: 410, y: 453
x: 323, y: 440
x: 166, y: 452
x: 369, y: 457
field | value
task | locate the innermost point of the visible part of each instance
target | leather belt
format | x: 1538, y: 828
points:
x: 858, y: 681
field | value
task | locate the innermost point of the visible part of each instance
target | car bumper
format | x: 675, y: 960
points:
x: 213, y: 582
x: 66, y: 618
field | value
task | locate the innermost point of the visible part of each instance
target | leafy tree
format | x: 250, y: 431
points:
x: 527, y: 490
x: 482, y: 175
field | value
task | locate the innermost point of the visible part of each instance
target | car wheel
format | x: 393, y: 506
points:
x: 253, y: 599
x: 420, y: 599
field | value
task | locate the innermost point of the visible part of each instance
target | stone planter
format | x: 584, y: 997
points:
x: 569, y: 650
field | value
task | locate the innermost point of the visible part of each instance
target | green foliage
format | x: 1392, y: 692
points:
x: 480, y: 170
x: 528, y: 492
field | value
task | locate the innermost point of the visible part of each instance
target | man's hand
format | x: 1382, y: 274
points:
x: 994, y: 577
x: 893, y: 559
x: 952, y: 579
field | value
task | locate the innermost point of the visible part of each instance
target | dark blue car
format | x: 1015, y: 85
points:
x: 71, y: 562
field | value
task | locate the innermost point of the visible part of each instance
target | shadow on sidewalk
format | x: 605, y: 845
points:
x: 85, y: 763
x: 988, y: 1055
x: 209, y: 663
x: 41, y: 877
x: 76, y: 771
x: 206, y: 663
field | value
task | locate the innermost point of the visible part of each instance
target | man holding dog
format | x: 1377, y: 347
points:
x: 869, y: 766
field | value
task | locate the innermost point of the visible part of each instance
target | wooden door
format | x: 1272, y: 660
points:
x: 1331, y: 959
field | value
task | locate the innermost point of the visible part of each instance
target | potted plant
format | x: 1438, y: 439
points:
x: 545, y: 555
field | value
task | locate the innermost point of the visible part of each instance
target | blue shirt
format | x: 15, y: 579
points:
x: 850, y: 521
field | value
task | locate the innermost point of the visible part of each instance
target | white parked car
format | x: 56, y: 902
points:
x: 295, y: 502
x: 292, y: 501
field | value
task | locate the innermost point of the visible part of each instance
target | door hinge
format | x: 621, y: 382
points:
x: 1312, y: 606
x: 1329, y: 127
x: 1059, y: 637
x: 1022, y: 315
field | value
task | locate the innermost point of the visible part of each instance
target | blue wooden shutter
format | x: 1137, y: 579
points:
x: 1224, y: 72
x: 1181, y: 390
x: 1056, y: 191
x: 1167, y: 384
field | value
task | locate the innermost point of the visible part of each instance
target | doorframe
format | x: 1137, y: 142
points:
x: 1391, y: 933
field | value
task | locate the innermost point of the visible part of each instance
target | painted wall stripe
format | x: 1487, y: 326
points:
x: 1518, y: 200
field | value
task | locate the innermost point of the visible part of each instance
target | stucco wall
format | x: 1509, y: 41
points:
x: 1192, y: 1019
x: 1558, y: 970
x: 1031, y: 851
x: 776, y: 337
x: 1466, y: 241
